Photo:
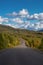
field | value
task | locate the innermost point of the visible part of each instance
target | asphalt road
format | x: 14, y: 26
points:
x: 22, y: 44
x: 20, y: 56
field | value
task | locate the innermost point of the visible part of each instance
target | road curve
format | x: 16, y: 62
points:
x: 22, y: 44
x: 20, y: 56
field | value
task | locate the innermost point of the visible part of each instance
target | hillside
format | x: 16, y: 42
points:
x: 11, y: 37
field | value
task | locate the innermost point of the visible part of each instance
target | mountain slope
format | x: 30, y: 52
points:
x: 11, y: 37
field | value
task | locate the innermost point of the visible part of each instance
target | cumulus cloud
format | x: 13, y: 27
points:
x: 40, y: 16
x: 36, y: 16
x: 40, y: 25
x: 22, y: 13
x: 37, y: 26
x: 3, y: 19
x: 17, y: 20
x: 25, y: 14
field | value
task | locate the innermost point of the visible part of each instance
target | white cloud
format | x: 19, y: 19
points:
x: 38, y: 25
x: 36, y: 17
x: 33, y: 17
x: 17, y: 20
x: 23, y: 13
x: 3, y: 19
x: 27, y: 24
x: 41, y: 24
x: 40, y: 16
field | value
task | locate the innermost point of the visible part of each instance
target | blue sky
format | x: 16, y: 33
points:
x: 31, y: 8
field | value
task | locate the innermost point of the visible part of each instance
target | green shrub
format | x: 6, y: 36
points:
x: 41, y: 44
x: 8, y: 40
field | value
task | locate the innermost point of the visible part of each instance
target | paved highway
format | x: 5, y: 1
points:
x: 20, y: 56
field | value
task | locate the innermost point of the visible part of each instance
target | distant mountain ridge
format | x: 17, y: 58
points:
x: 40, y: 30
